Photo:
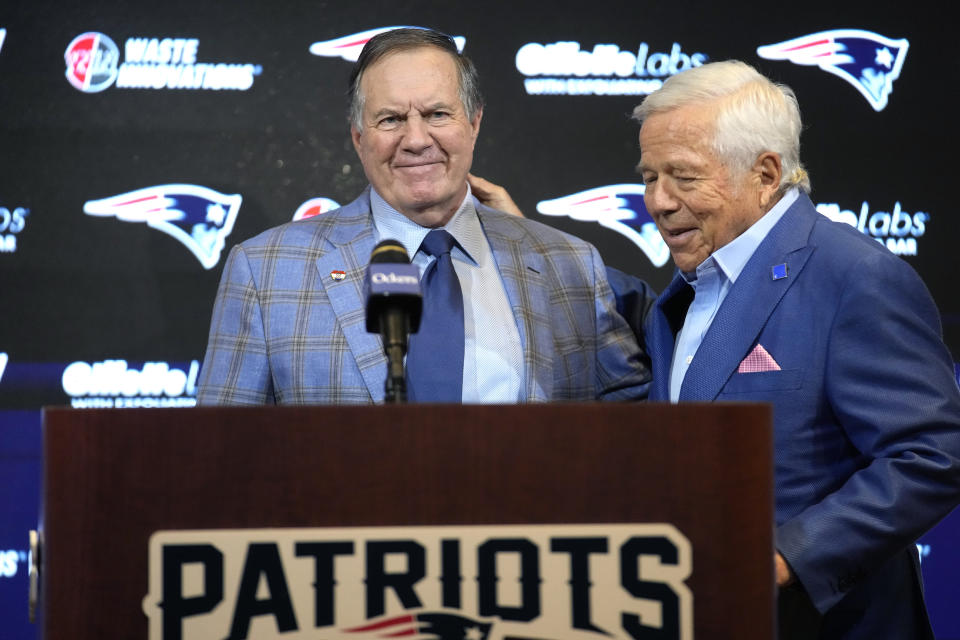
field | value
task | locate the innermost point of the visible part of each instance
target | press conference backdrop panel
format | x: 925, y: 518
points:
x: 138, y: 144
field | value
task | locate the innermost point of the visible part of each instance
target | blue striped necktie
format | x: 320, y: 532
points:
x: 435, y: 357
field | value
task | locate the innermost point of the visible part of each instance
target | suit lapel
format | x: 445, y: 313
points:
x: 661, y: 334
x: 522, y: 270
x: 751, y: 301
x: 350, y: 242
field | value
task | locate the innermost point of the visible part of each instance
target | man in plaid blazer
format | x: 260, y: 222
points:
x: 289, y: 321
x: 775, y: 303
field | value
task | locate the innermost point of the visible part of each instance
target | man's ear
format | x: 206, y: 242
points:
x: 475, y: 124
x: 355, y: 137
x: 769, y: 171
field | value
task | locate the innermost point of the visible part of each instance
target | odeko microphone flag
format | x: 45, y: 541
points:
x: 394, y: 303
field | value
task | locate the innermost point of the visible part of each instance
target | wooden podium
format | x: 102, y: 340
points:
x: 114, y: 477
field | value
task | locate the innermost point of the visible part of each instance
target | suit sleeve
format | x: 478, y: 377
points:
x: 236, y: 370
x: 890, y: 387
x: 634, y: 299
x: 623, y: 367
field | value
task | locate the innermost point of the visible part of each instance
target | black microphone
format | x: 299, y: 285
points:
x: 394, y: 303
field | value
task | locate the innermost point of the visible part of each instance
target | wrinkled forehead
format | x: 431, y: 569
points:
x: 678, y: 135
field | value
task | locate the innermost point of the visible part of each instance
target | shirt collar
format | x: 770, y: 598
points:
x: 464, y: 226
x: 732, y: 257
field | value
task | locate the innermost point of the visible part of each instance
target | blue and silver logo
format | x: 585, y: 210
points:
x: 868, y: 61
x: 618, y: 207
x: 198, y: 217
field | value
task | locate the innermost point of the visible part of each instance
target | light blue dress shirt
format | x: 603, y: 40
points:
x: 492, y: 358
x: 711, y: 283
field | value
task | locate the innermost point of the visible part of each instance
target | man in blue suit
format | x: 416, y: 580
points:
x: 773, y: 302
x: 537, y: 315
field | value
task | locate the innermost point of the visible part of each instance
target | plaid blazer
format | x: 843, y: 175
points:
x: 284, y: 331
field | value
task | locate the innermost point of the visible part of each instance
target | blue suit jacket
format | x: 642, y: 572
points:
x: 866, y: 411
x: 285, y: 331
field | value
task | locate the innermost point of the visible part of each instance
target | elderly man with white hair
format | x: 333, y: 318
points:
x: 773, y: 302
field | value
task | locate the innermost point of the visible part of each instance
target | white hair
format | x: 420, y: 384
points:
x: 754, y: 115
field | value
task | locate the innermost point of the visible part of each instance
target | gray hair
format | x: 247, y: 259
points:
x: 405, y: 39
x: 755, y: 115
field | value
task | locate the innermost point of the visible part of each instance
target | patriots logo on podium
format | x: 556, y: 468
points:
x: 618, y: 207
x: 427, y: 626
x: 349, y: 47
x: 868, y: 61
x: 198, y: 217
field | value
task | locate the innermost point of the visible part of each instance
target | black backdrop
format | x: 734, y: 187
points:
x: 79, y: 288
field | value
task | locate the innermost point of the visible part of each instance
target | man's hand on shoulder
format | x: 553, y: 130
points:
x: 493, y: 195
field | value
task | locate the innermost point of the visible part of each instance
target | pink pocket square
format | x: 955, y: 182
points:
x: 758, y: 361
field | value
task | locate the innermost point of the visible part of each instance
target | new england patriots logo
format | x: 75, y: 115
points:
x: 425, y: 626
x: 349, y: 47
x: 199, y: 217
x: 868, y: 61
x: 618, y: 207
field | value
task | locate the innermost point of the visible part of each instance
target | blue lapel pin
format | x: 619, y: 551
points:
x: 778, y: 271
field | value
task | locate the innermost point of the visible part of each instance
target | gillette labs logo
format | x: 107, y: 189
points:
x: 93, y: 64
x: 12, y: 222
x: 897, y: 230
x: 562, y: 68
x: 200, y: 218
x: 9, y: 560
x: 115, y: 384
